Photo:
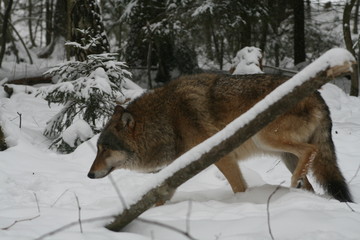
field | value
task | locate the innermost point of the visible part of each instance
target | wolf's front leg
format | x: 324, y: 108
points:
x: 228, y: 165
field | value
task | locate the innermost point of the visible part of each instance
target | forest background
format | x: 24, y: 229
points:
x: 160, y: 40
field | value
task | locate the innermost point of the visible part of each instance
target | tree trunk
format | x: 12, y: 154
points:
x: 246, y: 33
x: 354, y: 90
x: 264, y: 33
x: 356, y: 18
x: 48, y: 21
x: 56, y: 25
x: 3, y: 145
x: 86, y: 16
x: 33, y: 44
x: 346, y: 25
x: 4, y: 31
x: 299, y: 31
x: 222, y: 147
x: 150, y: 49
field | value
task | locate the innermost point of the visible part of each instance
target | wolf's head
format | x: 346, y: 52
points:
x: 116, y: 145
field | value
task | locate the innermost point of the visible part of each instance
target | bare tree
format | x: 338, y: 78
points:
x: 31, y: 36
x: 354, y: 90
x: 56, y: 25
x: 299, y: 31
x: 356, y: 17
x: 6, y: 20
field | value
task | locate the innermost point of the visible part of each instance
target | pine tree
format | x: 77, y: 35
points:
x: 88, y: 90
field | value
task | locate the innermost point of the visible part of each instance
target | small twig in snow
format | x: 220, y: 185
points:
x: 122, y: 199
x: 37, y: 203
x: 347, y: 204
x: 52, y: 205
x: 69, y: 225
x: 91, y: 146
x: 188, y: 217
x: 217, y: 237
x: 26, y: 219
x: 186, y: 234
x: 152, y: 235
x: 78, y: 204
x: 21, y: 220
x: 277, y: 163
x: 268, y: 208
x: 20, y: 116
x: 356, y: 173
x: 35, y: 121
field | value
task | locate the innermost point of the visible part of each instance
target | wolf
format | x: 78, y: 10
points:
x: 162, y: 124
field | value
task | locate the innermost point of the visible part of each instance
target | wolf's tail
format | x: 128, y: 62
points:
x: 325, y: 167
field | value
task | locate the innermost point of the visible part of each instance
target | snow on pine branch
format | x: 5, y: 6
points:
x: 88, y: 90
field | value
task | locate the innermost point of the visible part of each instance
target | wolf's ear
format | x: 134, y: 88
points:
x: 128, y: 120
x: 119, y: 109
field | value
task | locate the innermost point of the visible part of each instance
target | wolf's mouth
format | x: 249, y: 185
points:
x: 110, y: 170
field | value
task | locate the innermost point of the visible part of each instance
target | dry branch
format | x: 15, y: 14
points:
x: 268, y: 209
x: 163, y: 191
x: 25, y: 219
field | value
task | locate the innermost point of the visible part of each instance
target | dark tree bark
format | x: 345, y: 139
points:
x: 246, y: 33
x: 57, y: 25
x: 264, y: 33
x: 3, y: 145
x: 32, y: 40
x: 48, y: 21
x: 278, y: 12
x: 354, y: 90
x: 356, y: 17
x: 299, y: 31
x: 87, y: 28
x: 346, y: 25
x: 163, y: 191
x: 4, y: 30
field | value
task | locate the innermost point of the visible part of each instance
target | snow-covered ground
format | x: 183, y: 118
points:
x: 39, y: 184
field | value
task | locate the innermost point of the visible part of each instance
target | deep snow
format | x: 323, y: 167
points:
x: 29, y: 169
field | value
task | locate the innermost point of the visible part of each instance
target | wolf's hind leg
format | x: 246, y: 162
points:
x: 291, y: 161
x: 231, y: 170
x: 304, y: 152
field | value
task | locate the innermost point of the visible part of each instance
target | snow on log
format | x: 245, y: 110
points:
x: 333, y: 63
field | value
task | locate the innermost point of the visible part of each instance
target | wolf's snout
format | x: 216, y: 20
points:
x: 91, y: 175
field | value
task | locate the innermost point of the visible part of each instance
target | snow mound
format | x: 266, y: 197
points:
x: 248, y: 61
x: 79, y: 130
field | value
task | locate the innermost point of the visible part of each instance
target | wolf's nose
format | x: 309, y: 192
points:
x: 91, y: 175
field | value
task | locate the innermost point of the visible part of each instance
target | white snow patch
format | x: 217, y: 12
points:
x: 29, y: 167
x: 248, y: 61
x: 78, y: 130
